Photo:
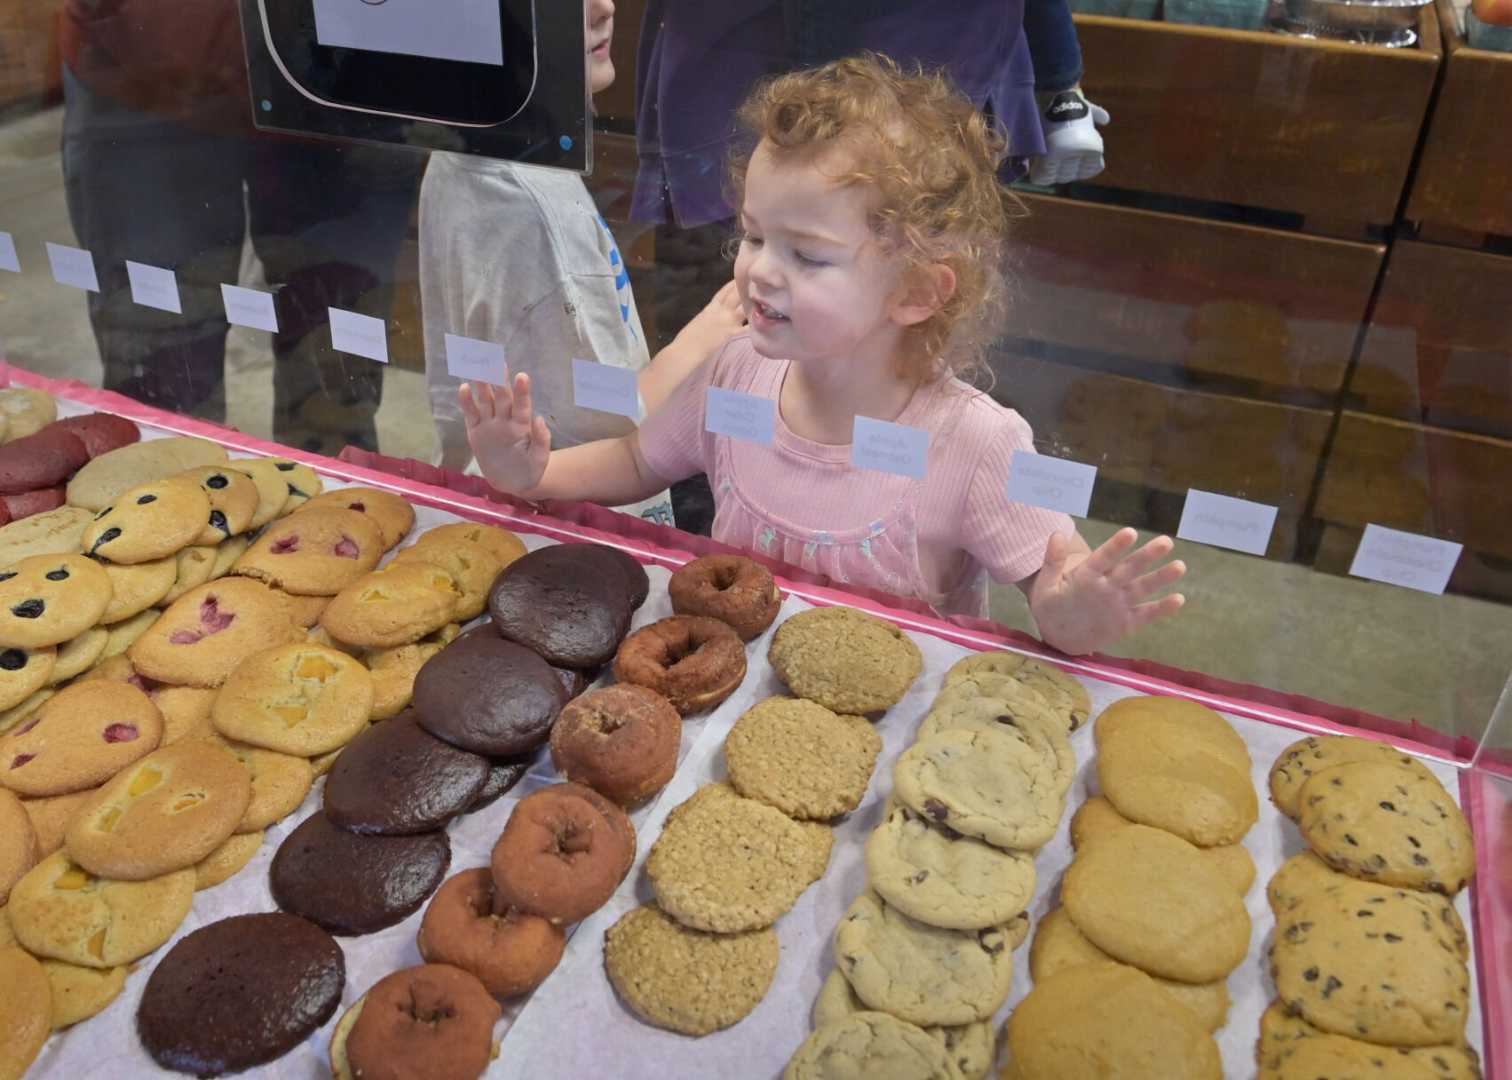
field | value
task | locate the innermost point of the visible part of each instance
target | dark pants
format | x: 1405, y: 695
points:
x: 326, y: 220
x: 1052, y: 45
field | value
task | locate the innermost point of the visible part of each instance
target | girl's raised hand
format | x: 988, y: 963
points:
x: 510, y: 442
x: 1086, y: 600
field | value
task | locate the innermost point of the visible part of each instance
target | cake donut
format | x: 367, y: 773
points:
x: 621, y: 741
x: 510, y: 953
x: 433, y: 1020
x: 730, y: 588
x: 693, y: 661
x: 561, y: 856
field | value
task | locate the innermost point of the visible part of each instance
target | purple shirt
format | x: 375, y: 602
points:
x: 698, y: 60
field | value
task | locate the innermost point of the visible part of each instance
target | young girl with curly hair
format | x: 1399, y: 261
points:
x: 870, y: 270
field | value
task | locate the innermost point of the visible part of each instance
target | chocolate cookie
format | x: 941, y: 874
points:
x: 353, y: 884
x: 488, y: 695
x: 396, y: 778
x: 503, y: 775
x: 240, y: 992
x: 569, y: 602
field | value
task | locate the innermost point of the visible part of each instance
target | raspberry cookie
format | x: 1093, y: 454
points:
x: 233, y: 501
x: 165, y: 813
x: 393, y: 515
x: 208, y: 631
x: 299, y: 699
x: 318, y: 553
x: 63, y: 911
x: 393, y: 606
x: 151, y: 521
x: 80, y: 737
x: 49, y: 599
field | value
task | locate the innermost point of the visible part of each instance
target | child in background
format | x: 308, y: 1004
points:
x: 520, y: 256
x: 871, y: 273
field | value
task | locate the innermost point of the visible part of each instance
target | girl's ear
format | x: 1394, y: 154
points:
x: 924, y: 292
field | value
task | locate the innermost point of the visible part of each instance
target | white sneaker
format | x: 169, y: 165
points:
x: 1073, y: 147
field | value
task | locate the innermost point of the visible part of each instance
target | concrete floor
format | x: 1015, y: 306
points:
x: 1406, y: 655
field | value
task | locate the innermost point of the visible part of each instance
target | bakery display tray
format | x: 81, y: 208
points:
x: 574, y: 1026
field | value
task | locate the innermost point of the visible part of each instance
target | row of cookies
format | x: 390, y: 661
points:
x: 924, y: 957
x: 735, y: 857
x: 1370, y: 958
x: 1147, y: 916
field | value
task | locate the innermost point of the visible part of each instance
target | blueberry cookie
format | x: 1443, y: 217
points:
x: 233, y: 501
x: 302, y: 482
x: 78, y: 655
x: 49, y: 599
x: 22, y: 673
x: 136, y: 587
x: 317, y: 553
x: 151, y: 521
x: 272, y: 488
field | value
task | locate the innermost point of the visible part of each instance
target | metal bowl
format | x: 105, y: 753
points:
x: 1369, y: 22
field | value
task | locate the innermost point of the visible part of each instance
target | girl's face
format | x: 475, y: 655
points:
x: 816, y: 284
x: 600, y: 34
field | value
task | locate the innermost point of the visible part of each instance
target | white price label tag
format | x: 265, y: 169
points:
x: 1051, y: 483
x: 1227, y: 522
x: 73, y: 266
x: 465, y: 30
x: 154, y: 287
x: 740, y: 416
x: 888, y: 447
x: 473, y: 360
x: 1405, y: 559
x: 605, y: 388
x: 360, y: 335
x: 8, y: 258
x: 249, y: 307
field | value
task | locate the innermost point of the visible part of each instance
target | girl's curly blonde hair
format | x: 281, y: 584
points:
x: 932, y: 159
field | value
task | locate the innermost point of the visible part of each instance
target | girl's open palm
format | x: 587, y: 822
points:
x: 510, y: 442
x: 1085, y: 601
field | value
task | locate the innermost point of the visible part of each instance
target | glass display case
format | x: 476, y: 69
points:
x: 1273, y: 318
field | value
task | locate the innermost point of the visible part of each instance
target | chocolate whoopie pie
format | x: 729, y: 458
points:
x: 502, y: 776
x: 397, y: 778
x: 635, y: 577
x: 240, y: 992
x: 571, y: 603
x: 351, y: 883
x: 488, y: 695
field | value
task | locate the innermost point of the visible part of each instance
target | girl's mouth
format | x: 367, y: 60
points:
x: 764, y: 313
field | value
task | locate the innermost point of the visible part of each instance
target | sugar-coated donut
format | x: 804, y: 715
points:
x: 694, y: 661
x: 434, y: 1020
x: 560, y: 856
x: 511, y: 953
x: 730, y: 588
x: 620, y: 740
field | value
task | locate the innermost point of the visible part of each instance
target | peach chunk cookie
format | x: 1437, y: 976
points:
x: 301, y: 699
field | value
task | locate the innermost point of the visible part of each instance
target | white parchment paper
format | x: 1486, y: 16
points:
x: 574, y: 1027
